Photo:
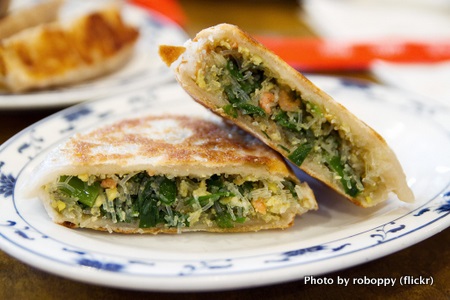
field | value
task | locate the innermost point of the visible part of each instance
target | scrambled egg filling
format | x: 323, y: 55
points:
x: 301, y: 129
x: 222, y: 200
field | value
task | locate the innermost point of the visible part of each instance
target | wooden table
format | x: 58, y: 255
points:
x: 428, y: 258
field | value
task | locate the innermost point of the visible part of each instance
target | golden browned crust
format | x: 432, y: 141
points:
x: 169, y: 54
x: 196, y: 140
x: 101, y: 35
x: 54, y: 54
x: 68, y: 224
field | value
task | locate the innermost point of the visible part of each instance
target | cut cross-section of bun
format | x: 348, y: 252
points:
x: 169, y: 174
x: 236, y: 77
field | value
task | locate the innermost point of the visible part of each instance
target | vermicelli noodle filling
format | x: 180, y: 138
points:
x: 300, y: 129
x: 223, y: 200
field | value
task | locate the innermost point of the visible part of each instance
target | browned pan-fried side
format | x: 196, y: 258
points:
x: 216, y: 145
x: 100, y: 35
x: 169, y: 54
x: 48, y: 53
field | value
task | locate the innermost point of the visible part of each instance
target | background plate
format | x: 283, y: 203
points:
x: 144, y: 69
x: 337, y: 236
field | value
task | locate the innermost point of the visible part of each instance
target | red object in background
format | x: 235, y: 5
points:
x: 169, y: 8
x: 312, y: 54
x: 326, y: 55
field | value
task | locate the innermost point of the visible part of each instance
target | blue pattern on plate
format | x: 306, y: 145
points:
x: 7, y: 182
x: 352, y: 83
x: 190, y: 269
x: 17, y: 233
x: 386, y: 231
x: 445, y: 208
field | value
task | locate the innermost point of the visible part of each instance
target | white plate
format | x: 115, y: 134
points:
x: 144, y: 69
x: 337, y: 236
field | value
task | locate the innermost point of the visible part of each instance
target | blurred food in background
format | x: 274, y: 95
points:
x: 57, y: 52
x: 15, y: 20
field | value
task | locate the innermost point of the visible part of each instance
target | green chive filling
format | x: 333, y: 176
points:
x: 249, y: 91
x: 152, y: 201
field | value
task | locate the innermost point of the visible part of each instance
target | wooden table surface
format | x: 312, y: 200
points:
x: 427, y: 258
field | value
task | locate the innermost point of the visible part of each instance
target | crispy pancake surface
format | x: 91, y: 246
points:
x: 174, y: 145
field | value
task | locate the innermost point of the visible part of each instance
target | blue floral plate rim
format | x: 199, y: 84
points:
x: 27, y: 234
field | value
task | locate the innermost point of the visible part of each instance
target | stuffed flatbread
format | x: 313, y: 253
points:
x: 236, y: 77
x: 169, y: 174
